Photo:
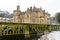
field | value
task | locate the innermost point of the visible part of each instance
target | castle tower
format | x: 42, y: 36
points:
x: 18, y: 7
x: 16, y: 15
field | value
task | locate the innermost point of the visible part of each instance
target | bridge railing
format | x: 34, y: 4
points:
x: 26, y: 29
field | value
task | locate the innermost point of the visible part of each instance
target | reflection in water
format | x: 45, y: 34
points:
x: 55, y: 35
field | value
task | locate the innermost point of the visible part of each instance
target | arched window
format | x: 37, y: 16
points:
x: 33, y: 20
x: 27, y: 16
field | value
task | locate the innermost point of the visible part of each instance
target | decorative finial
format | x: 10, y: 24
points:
x: 18, y: 7
x: 31, y: 8
x: 34, y: 6
x: 27, y: 9
x: 18, y: 2
x: 41, y: 8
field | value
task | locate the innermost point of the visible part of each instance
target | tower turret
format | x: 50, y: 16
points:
x: 16, y: 14
x: 18, y: 7
x: 31, y: 8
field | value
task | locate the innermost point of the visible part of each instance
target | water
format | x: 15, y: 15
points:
x: 17, y: 37
x: 55, y: 35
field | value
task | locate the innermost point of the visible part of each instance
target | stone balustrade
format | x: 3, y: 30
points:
x: 27, y: 29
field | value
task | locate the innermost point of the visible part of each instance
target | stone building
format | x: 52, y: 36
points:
x: 31, y: 15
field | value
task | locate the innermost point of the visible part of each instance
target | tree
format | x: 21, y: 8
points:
x: 1, y: 15
x: 58, y: 17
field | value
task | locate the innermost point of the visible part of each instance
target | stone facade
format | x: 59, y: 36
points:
x: 31, y: 15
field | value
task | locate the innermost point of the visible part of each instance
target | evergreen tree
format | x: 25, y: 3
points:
x: 58, y: 17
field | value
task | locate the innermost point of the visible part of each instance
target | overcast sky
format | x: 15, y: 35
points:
x: 51, y: 6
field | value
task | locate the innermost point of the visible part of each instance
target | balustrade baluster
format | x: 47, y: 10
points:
x: 7, y: 30
x: 0, y: 30
x: 13, y: 30
x: 18, y: 29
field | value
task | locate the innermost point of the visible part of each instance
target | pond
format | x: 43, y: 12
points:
x: 55, y: 35
x: 17, y: 37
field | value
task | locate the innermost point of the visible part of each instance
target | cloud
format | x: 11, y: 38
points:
x: 51, y: 6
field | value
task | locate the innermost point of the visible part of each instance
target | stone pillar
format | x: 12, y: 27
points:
x: 46, y: 32
x: 7, y: 30
x: 10, y: 33
x: 19, y: 30
x: 26, y: 31
x: 50, y: 28
x: 13, y: 30
x: 0, y: 30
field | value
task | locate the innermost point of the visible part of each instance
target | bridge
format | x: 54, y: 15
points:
x: 27, y: 29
